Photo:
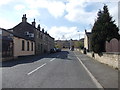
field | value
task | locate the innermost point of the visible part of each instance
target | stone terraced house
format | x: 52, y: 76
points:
x: 43, y: 41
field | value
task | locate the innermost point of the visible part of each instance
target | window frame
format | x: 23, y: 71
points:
x: 23, y: 45
x: 31, y: 46
x: 28, y: 46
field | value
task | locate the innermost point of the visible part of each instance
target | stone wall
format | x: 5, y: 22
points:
x: 111, y: 59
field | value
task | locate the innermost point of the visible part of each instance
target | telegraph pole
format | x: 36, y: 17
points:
x: 78, y: 35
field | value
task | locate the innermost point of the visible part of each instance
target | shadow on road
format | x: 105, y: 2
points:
x: 30, y: 59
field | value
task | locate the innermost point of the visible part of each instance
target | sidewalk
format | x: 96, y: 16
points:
x: 106, y: 75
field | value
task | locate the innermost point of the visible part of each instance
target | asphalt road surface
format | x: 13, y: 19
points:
x: 65, y: 69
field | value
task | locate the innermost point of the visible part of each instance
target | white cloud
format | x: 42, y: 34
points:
x: 19, y: 7
x: 6, y: 24
x: 102, y: 0
x: 32, y: 13
x: 4, y: 2
x: 65, y: 33
x: 76, y: 12
x: 113, y: 9
x: 55, y: 8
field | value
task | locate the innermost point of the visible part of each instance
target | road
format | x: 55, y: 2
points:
x: 65, y: 69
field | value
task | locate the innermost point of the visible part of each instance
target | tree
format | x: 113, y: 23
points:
x: 78, y: 44
x: 103, y: 30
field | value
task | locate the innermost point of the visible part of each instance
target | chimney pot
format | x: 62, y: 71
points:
x: 24, y: 19
x: 33, y: 23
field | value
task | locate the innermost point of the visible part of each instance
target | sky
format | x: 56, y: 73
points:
x: 62, y: 19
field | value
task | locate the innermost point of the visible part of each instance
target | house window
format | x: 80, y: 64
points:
x: 23, y: 45
x: 27, y: 46
x: 32, y: 46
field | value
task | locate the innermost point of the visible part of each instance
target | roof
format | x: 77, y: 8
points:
x: 88, y: 34
x: 20, y: 29
x: 23, y: 27
x: 6, y: 38
x: 14, y: 34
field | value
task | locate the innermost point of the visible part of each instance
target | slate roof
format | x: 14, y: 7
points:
x: 14, y: 34
x: 88, y: 34
x: 20, y: 29
x: 6, y: 38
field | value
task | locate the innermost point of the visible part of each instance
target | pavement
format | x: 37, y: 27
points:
x: 65, y: 69
x: 106, y: 75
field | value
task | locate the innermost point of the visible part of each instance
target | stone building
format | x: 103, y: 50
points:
x: 68, y: 43
x: 87, y: 41
x: 29, y: 31
x: 63, y: 43
x: 14, y: 45
x: 6, y: 43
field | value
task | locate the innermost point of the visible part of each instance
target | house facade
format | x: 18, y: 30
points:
x: 43, y: 41
x: 23, y: 47
x: 87, y: 41
x: 14, y: 45
x: 63, y: 43
x: 6, y: 44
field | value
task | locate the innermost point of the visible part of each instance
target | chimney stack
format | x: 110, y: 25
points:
x: 43, y: 30
x: 24, y: 19
x: 33, y: 23
x: 39, y: 27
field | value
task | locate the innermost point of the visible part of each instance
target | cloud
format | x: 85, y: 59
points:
x: 32, y: 13
x: 76, y: 12
x: 19, y: 7
x: 55, y: 8
x: 113, y: 9
x: 4, y: 2
x: 65, y: 33
x: 5, y: 22
x: 102, y: 1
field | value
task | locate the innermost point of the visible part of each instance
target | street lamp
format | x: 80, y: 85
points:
x: 78, y: 34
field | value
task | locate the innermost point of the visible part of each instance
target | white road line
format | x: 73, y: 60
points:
x: 90, y: 74
x: 36, y: 69
x: 52, y: 59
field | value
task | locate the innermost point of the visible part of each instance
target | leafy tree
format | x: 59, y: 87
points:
x: 78, y: 44
x: 103, y: 30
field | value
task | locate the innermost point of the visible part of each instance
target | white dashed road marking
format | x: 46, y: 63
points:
x: 52, y: 59
x: 36, y: 69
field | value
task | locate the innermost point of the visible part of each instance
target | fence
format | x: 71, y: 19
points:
x: 113, y: 45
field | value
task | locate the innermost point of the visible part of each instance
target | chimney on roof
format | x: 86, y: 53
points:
x: 43, y: 30
x: 39, y: 27
x: 33, y: 23
x: 46, y: 32
x: 24, y: 19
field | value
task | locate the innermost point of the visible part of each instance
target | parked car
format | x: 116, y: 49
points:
x: 58, y: 49
x: 53, y: 50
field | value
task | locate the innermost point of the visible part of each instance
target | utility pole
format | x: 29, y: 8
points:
x: 78, y: 35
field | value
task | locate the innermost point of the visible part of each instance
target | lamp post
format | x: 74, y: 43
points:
x: 78, y: 35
